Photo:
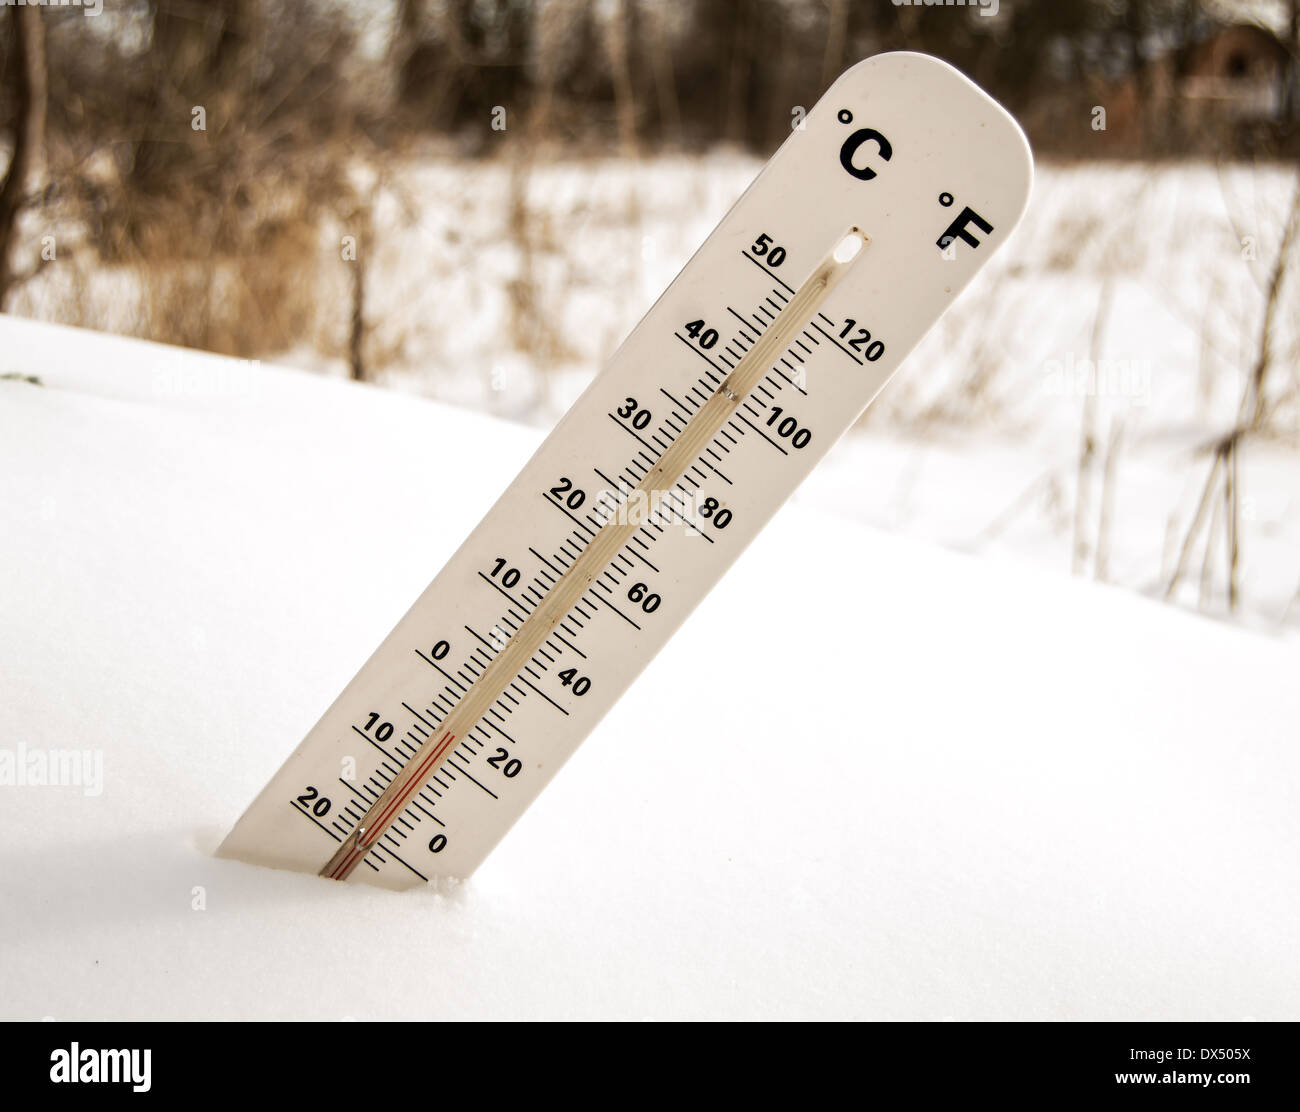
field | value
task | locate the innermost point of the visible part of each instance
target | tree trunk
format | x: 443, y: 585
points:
x: 1136, y: 24
x: 836, y: 32
x: 29, y: 93
x: 620, y: 67
x: 1291, y: 74
x: 661, y: 63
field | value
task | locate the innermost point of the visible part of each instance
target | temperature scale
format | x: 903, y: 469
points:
x: 851, y: 242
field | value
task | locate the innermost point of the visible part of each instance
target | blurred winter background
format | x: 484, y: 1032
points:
x: 475, y: 200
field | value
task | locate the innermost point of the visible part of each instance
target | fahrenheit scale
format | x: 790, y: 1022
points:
x: 847, y: 247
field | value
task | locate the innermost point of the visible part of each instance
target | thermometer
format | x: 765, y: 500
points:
x: 848, y: 246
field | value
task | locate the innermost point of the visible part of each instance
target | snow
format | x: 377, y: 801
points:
x: 977, y: 790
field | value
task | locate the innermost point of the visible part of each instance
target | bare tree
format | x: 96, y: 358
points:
x: 1136, y: 27
x: 836, y: 30
x: 29, y: 92
x: 617, y: 33
x: 665, y: 80
x: 1252, y: 414
x: 1088, y: 434
x: 1291, y: 78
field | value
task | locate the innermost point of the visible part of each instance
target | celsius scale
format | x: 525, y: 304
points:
x: 848, y: 246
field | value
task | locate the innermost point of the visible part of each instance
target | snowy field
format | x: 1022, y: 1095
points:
x: 1012, y: 795
x: 502, y: 290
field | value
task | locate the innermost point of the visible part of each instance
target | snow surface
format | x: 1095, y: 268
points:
x: 976, y: 791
